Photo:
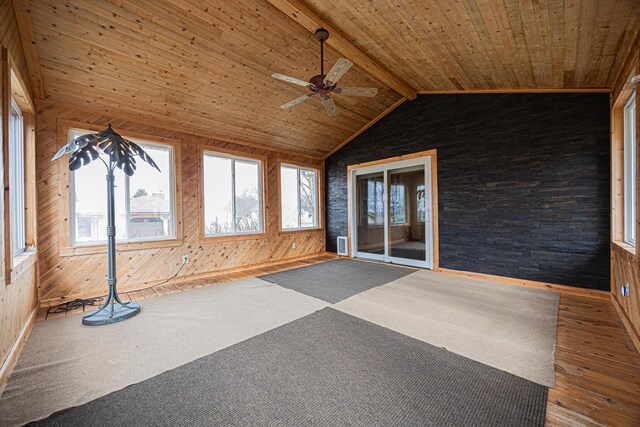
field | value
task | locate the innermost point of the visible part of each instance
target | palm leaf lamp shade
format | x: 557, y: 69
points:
x: 120, y: 153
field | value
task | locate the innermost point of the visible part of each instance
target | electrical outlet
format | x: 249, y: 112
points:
x: 624, y: 290
x: 293, y: 245
x: 185, y: 259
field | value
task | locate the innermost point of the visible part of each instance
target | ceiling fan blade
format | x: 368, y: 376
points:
x: 357, y: 91
x: 297, y: 101
x: 330, y: 106
x: 341, y: 66
x: 290, y: 79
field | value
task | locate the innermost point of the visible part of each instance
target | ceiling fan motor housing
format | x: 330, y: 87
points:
x: 317, y: 83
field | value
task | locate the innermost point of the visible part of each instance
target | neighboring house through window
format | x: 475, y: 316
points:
x: 144, y: 202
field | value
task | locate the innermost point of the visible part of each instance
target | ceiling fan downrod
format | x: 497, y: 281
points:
x: 321, y: 35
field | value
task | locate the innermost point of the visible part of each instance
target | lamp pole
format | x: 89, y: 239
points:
x: 113, y: 309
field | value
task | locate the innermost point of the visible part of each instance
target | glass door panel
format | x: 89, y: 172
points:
x: 407, y: 213
x: 370, y: 214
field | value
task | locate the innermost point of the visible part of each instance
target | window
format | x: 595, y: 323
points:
x: 398, y: 204
x: 16, y: 179
x: 375, y: 201
x: 298, y: 197
x: 144, y: 202
x: 420, y: 203
x: 630, y: 171
x: 232, y: 195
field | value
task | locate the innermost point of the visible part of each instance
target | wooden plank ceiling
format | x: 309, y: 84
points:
x: 198, y: 67
x: 440, y: 45
x: 205, y: 67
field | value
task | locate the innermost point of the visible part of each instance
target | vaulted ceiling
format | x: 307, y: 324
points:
x: 205, y: 66
x: 440, y: 45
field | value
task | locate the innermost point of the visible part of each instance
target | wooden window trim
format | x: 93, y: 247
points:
x: 13, y: 86
x: 65, y: 246
x: 617, y: 171
x: 320, y: 174
x: 202, y: 237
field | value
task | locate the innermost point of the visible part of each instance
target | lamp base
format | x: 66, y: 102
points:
x: 111, y: 314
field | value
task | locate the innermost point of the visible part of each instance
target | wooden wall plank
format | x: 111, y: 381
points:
x: 624, y: 258
x: 63, y: 277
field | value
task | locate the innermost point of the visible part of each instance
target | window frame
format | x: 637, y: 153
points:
x: 127, y: 199
x: 17, y: 179
x: 318, y: 201
x: 16, y: 90
x: 262, y: 192
x: 66, y: 247
x: 630, y: 170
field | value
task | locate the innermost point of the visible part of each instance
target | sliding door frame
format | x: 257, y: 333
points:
x: 426, y: 158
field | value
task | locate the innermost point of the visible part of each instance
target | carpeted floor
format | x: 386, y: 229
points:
x: 508, y: 327
x: 336, y: 280
x: 252, y: 352
x: 328, y: 368
x: 66, y: 364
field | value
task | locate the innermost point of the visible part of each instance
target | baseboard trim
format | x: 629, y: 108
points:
x: 49, y: 302
x: 12, y: 357
x: 626, y: 321
x: 592, y: 293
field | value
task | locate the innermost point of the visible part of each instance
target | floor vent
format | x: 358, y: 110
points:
x: 342, y: 246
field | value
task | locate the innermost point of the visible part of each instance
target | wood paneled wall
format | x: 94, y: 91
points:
x: 624, y: 259
x: 19, y: 299
x: 64, y: 277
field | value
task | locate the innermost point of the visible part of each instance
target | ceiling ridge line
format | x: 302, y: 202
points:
x: 310, y: 20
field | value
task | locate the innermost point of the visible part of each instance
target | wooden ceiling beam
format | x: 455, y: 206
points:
x: 22, y: 10
x: 310, y: 20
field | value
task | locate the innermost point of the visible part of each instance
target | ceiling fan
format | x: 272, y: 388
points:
x: 325, y: 85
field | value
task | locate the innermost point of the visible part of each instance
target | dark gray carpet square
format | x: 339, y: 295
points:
x: 336, y: 280
x: 328, y: 368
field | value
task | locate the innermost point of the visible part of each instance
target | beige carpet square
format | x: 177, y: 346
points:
x: 508, y: 327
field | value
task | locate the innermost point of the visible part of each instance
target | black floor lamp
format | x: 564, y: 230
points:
x: 122, y: 154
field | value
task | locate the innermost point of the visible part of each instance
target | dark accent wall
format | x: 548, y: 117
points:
x: 523, y: 181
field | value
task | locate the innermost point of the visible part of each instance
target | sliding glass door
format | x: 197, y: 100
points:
x: 391, y: 220
x: 370, y: 200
